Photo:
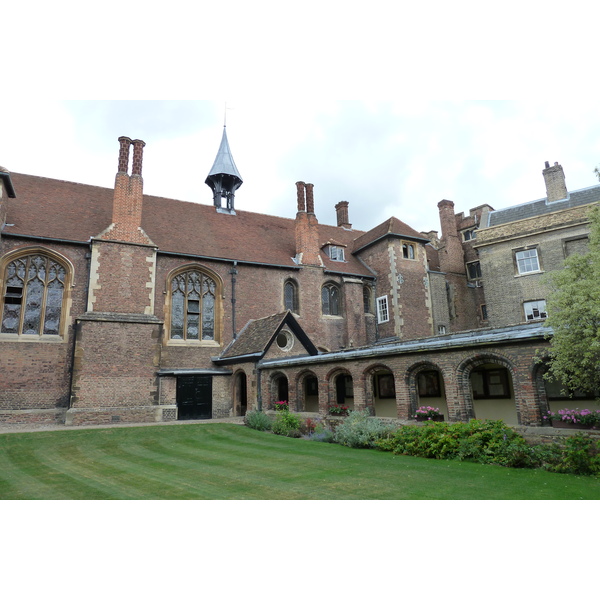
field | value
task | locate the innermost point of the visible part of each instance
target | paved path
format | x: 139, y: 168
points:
x: 13, y: 428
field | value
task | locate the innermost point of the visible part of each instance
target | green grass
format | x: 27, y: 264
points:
x: 222, y: 461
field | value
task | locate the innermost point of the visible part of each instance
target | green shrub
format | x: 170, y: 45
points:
x: 256, y: 419
x: 493, y: 442
x: 487, y: 442
x: 287, y: 423
x: 580, y: 455
x: 359, y: 430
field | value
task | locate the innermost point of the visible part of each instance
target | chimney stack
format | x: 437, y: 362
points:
x: 126, y: 223
x: 341, y: 209
x: 452, y: 258
x: 307, y: 227
x: 554, y: 178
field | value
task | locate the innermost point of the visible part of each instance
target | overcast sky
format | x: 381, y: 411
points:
x: 409, y: 137
x: 385, y: 158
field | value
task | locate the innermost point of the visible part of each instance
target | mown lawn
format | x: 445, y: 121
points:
x: 223, y: 461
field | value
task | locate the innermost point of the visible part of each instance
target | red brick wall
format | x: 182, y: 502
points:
x: 403, y: 281
x: 121, y: 278
x: 454, y: 366
x: 36, y: 374
x: 259, y: 293
x: 116, y: 364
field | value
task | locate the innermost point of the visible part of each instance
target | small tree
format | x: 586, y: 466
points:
x: 574, y: 316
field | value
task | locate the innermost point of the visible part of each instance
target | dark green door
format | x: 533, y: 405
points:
x: 194, y: 397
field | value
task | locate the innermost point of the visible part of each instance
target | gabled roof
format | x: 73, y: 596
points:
x: 63, y: 210
x: 257, y: 336
x: 393, y: 227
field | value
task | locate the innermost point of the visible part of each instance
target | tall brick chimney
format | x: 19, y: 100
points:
x: 452, y: 258
x: 307, y: 227
x: 554, y: 178
x: 341, y: 208
x: 126, y: 223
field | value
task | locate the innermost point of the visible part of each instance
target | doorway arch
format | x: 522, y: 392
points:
x: 341, y: 389
x: 381, y: 396
x: 240, y: 394
x: 427, y: 388
x: 487, y: 385
x: 279, y: 389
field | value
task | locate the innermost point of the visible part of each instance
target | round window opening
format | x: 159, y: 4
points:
x: 285, y: 340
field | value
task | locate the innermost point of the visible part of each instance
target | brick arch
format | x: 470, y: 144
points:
x: 331, y: 379
x: 367, y: 376
x: 410, y: 380
x: 240, y: 392
x: 464, y: 370
x: 299, y: 382
x: 277, y: 390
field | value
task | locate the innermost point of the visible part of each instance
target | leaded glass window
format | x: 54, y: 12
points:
x: 290, y: 296
x: 193, y: 297
x: 330, y: 300
x: 33, y: 297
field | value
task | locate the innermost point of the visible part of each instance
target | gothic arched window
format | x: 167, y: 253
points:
x: 33, y: 295
x: 290, y: 296
x: 330, y: 299
x: 193, y: 306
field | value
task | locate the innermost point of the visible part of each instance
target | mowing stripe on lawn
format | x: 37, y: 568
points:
x: 221, y: 461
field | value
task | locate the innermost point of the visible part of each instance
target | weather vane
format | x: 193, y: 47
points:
x: 225, y: 114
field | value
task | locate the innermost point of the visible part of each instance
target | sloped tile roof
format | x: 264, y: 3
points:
x: 394, y: 227
x: 542, y: 207
x: 63, y: 210
x: 257, y: 336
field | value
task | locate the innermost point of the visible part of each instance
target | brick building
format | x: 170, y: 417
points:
x: 119, y: 306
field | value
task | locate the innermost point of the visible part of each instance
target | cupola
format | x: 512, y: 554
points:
x: 224, y: 178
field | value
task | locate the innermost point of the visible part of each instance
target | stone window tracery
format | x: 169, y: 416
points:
x: 33, y: 296
x: 330, y: 299
x: 193, y: 304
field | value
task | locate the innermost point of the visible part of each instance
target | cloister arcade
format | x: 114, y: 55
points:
x: 484, y: 386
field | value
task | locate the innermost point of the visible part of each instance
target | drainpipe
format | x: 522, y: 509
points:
x: 233, y: 272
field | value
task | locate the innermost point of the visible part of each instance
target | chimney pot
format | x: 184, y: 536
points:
x: 138, y: 147
x: 341, y: 209
x: 300, y: 189
x: 124, y: 154
x: 310, y: 199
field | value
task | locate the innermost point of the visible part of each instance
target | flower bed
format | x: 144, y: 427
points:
x: 578, y: 419
x: 428, y: 413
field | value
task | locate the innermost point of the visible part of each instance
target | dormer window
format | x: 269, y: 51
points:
x: 335, y: 253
